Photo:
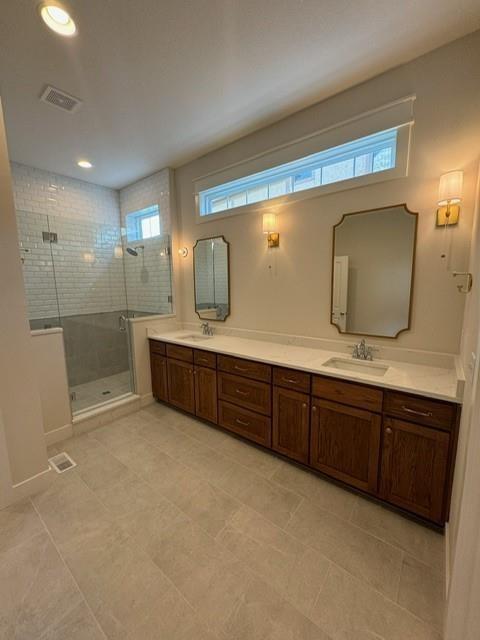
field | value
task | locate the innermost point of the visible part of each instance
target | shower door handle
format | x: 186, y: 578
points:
x: 122, y: 322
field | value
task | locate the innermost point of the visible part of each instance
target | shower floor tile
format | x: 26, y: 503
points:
x: 95, y: 392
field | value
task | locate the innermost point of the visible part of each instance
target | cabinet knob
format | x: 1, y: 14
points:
x: 388, y: 431
x: 304, y: 405
x: 314, y: 409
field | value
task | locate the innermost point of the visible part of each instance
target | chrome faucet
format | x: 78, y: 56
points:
x: 207, y: 330
x: 361, y: 351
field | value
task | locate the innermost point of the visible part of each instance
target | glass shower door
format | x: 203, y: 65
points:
x: 38, y: 270
x: 93, y: 309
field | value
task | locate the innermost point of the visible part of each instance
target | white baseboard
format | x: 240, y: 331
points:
x: 146, y: 399
x: 32, y: 485
x: 57, y: 435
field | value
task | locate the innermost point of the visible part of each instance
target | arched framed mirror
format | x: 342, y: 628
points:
x: 372, y: 271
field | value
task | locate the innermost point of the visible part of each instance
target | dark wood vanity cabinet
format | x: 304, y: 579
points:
x: 394, y: 446
x: 291, y: 423
x: 246, y: 423
x: 414, y: 468
x: 181, y: 386
x: 345, y: 443
x: 158, y: 366
x: 205, y: 393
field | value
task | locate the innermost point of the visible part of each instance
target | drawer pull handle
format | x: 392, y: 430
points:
x: 291, y: 380
x: 241, y: 422
x: 424, y: 414
x: 242, y: 393
x: 242, y: 369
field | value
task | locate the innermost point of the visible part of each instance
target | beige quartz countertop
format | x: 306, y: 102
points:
x: 434, y: 382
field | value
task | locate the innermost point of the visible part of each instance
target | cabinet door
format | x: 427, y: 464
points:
x: 158, y: 367
x: 206, y: 393
x: 181, y: 391
x: 291, y: 423
x: 345, y: 443
x: 414, y: 467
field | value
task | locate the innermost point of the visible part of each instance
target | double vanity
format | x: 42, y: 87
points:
x: 388, y: 429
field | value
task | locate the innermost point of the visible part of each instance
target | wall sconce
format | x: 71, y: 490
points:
x: 183, y: 252
x: 270, y: 227
x: 449, y: 197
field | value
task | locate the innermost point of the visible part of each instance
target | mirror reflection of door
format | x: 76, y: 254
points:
x: 211, y: 277
x: 372, y: 271
x: 340, y: 292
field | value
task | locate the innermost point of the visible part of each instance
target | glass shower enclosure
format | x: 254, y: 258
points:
x: 79, y: 276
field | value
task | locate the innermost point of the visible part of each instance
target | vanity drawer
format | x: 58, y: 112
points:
x: 180, y: 353
x: 291, y: 379
x: 355, y: 395
x: 157, y: 347
x: 251, y: 394
x: 205, y: 359
x: 246, y: 368
x: 432, y: 413
x: 245, y: 423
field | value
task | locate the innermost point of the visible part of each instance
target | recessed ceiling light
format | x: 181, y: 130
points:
x: 57, y: 18
x: 85, y: 164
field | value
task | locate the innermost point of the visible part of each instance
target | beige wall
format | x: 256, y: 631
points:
x: 48, y: 353
x: 20, y: 409
x: 288, y: 290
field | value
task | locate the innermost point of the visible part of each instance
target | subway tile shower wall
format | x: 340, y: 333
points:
x: 85, y: 265
x: 38, y: 191
x: 148, y: 275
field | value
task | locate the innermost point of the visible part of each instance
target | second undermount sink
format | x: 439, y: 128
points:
x: 195, y: 337
x: 357, y: 366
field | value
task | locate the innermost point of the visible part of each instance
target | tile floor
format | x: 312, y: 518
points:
x: 172, y: 530
x: 102, y: 390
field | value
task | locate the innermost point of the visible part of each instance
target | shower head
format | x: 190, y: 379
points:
x: 133, y: 251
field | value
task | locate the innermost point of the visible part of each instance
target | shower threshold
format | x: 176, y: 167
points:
x: 89, y: 395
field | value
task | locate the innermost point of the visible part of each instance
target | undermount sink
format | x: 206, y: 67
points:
x: 358, y: 366
x: 195, y: 337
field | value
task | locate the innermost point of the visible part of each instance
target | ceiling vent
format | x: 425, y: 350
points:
x: 60, y: 99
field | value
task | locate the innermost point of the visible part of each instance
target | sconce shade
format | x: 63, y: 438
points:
x: 269, y: 223
x: 451, y: 188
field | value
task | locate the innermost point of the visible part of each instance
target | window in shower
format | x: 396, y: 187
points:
x: 143, y: 224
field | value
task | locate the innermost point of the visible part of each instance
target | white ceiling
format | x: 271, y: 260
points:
x: 164, y: 81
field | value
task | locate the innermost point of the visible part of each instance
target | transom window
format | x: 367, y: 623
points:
x: 367, y: 155
x: 143, y: 224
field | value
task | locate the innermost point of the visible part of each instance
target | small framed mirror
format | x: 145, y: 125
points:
x: 372, y: 271
x: 211, y: 272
